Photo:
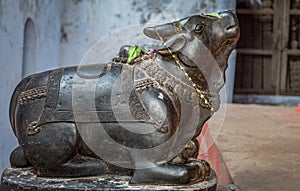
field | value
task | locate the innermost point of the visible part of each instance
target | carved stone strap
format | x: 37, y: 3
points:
x: 127, y: 79
x: 53, y: 85
x: 53, y: 88
x: 130, y: 93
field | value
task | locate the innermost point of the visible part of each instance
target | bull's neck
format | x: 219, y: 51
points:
x: 191, y: 76
x: 222, y: 61
x: 169, y: 64
x: 196, y: 75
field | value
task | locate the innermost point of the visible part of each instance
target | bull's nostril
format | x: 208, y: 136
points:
x: 229, y: 41
x: 232, y: 27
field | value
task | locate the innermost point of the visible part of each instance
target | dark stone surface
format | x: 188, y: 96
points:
x: 24, y: 179
x: 70, y: 122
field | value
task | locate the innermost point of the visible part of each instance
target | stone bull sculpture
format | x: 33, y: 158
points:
x: 68, y: 121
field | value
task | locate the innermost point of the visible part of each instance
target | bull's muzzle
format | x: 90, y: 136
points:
x: 230, y: 24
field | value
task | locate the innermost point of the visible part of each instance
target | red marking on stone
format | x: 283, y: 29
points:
x: 210, y: 152
x: 33, y: 171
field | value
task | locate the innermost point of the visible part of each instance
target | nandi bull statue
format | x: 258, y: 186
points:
x: 138, y: 117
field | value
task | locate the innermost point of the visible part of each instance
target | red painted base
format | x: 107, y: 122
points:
x: 213, y: 156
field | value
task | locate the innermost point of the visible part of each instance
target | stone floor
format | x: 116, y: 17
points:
x: 261, y: 146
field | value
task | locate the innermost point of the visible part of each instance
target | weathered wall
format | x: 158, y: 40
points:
x: 84, y: 22
x: 65, y: 30
x: 13, y: 15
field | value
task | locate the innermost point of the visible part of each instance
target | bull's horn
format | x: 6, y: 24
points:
x: 162, y: 32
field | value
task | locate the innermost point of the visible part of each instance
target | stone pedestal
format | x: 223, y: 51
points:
x: 25, y: 179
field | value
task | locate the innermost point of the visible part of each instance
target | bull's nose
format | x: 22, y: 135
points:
x: 230, y: 21
x: 229, y: 18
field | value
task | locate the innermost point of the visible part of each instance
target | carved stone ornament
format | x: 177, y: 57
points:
x: 136, y: 117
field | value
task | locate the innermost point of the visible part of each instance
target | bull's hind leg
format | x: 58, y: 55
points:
x: 18, y: 159
x: 79, y: 166
x: 171, y: 174
x: 54, y: 152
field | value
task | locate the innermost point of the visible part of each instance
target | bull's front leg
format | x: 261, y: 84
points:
x: 191, y: 150
x: 154, y: 166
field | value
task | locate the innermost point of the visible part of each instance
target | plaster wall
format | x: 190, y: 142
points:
x: 13, y: 16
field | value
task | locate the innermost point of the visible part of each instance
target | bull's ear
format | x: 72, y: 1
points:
x: 151, y: 33
x: 165, y: 31
x: 172, y: 45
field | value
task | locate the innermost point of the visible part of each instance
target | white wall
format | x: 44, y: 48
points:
x: 66, y: 29
x: 45, y: 15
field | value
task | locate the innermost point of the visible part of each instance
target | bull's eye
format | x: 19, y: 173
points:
x: 199, y: 28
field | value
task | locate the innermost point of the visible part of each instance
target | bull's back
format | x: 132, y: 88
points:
x: 26, y: 91
x: 50, y: 96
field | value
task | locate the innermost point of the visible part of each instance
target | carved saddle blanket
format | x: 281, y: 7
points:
x: 101, y: 93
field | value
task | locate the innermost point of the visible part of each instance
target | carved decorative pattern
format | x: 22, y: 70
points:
x: 137, y: 108
x: 161, y: 77
x: 51, y: 93
x: 32, y: 94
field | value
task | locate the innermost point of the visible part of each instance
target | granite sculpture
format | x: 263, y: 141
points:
x: 138, y: 101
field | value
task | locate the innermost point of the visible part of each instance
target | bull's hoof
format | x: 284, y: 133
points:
x: 192, y: 172
x: 202, y: 170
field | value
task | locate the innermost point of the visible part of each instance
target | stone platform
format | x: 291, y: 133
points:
x: 25, y: 179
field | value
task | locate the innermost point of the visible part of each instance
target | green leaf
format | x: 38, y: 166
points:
x: 133, y: 52
x: 216, y: 15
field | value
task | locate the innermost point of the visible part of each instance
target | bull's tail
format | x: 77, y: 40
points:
x: 14, y: 103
